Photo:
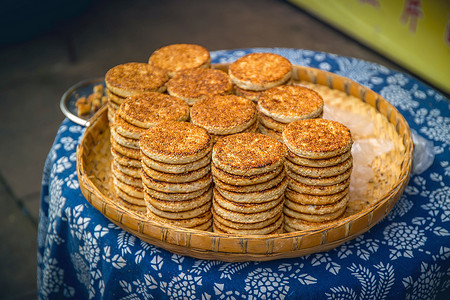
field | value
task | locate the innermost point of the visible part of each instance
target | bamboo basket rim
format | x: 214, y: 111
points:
x: 239, y: 247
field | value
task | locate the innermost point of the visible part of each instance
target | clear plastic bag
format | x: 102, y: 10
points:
x: 423, y: 156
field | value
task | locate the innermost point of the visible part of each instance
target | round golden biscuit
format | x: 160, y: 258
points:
x: 224, y: 114
x: 319, y: 181
x: 179, y: 205
x: 126, y: 151
x: 122, y: 140
x: 130, y: 180
x: 113, y: 98
x: 245, y: 207
x: 270, y: 123
x: 247, y: 154
x: 176, y: 168
x: 251, y: 187
x: 124, y: 160
x: 288, y: 103
x: 317, y: 163
x: 248, y: 94
x: 317, y: 138
x: 194, y: 222
x: 176, y: 142
x: 313, y: 218
x: 317, y: 209
x: 174, y: 178
x: 127, y: 170
x: 149, y: 109
x: 187, y: 214
x: 129, y: 206
x: 134, y: 191
x: 223, y: 228
x: 126, y: 129
x: 176, y: 57
x: 129, y: 198
x: 243, y: 225
x: 193, y: 85
x: 260, y: 71
x: 320, y: 172
x: 270, y: 132
x: 134, y: 78
x: 178, y: 187
x: 319, y: 189
x: 307, y: 199
x: 255, y: 197
x: 233, y: 179
x: 247, y: 217
x: 176, y: 196
x: 292, y: 224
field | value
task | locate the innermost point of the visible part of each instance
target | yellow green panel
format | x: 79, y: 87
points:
x: 414, y: 33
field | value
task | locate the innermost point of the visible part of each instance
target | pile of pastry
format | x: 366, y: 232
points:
x: 241, y: 150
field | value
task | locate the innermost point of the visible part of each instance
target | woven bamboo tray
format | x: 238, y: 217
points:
x: 391, y: 174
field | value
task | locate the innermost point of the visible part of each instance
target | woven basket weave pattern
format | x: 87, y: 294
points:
x: 391, y: 174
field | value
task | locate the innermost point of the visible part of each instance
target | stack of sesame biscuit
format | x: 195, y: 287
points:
x: 225, y: 115
x: 192, y: 85
x: 134, y: 116
x: 130, y: 79
x: 318, y: 165
x: 177, y: 57
x: 255, y: 72
x: 281, y: 105
x: 248, y: 173
x: 176, y: 174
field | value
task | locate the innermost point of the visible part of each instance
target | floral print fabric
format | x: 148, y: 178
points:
x: 82, y: 255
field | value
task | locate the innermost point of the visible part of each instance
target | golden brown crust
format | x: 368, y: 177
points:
x: 176, y: 57
x: 124, y: 141
x: 260, y: 71
x: 149, y: 109
x: 318, y: 189
x: 288, y: 103
x: 317, y: 209
x: 221, y: 227
x: 180, y: 205
x: 246, y: 226
x: 195, y: 222
x: 180, y: 177
x: 319, y: 172
x: 126, y: 129
x: 307, y: 199
x: 313, y: 218
x: 248, y: 153
x: 135, y: 78
x: 176, y: 142
x: 317, y: 138
x: 194, y: 84
x: 126, y: 151
x: 326, y: 162
x: 249, y: 94
x: 234, y: 179
x: 242, y: 207
x: 251, y: 188
x: 223, y: 114
x: 292, y: 224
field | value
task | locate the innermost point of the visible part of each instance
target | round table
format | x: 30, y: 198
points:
x: 81, y: 254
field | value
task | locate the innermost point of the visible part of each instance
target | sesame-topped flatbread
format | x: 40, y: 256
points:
x: 224, y: 114
x: 148, y: 109
x: 260, y: 71
x: 134, y: 78
x: 248, y: 154
x: 317, y: 138
x: 289, y: 103
x: 176, y: 142
x: 176, y: 57
x: 192, y: 85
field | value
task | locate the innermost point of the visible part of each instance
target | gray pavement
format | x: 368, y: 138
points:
x: 35, y: 72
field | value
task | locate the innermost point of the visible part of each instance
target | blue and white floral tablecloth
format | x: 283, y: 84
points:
x: 82, y: 255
